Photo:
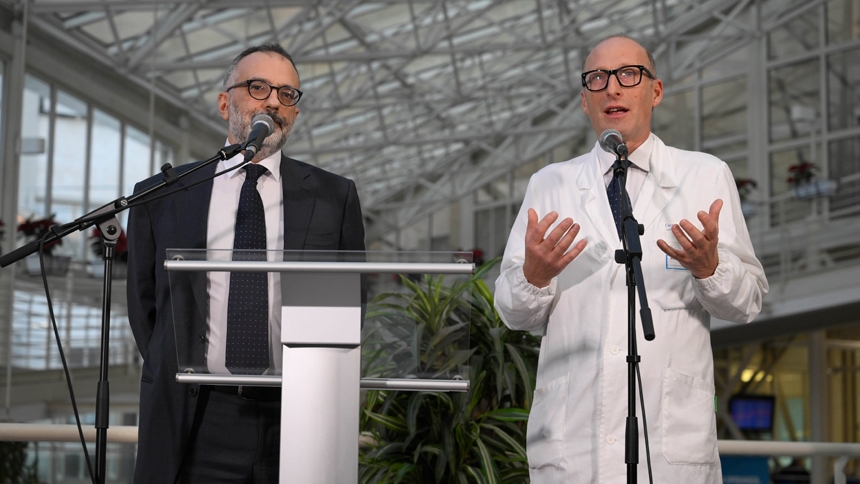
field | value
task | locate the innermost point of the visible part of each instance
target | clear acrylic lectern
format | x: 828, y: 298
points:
x: 333, y: 343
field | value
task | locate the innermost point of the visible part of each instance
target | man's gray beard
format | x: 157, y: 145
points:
x: 240, y: 129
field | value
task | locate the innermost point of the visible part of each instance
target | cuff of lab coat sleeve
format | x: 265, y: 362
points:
x: 533, y: 290
x: 716, y: 283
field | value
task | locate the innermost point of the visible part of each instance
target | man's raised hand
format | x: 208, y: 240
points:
x: 698, y: 252
x: 546, y: 254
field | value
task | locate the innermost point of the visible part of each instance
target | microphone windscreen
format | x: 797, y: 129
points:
x: 609, y: 139
x: 265, y: 119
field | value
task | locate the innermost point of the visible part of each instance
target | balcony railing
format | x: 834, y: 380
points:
x: 128, y: 435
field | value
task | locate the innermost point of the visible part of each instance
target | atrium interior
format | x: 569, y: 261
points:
x: 440, y: 111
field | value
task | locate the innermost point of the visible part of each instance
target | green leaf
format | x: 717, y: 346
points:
x: 412, y: 412
x: 389, y: 422
x: 476, y: 475
x: 513, y: 444
x: 406, y: 469
x: 509, y: 414
x: 520, y: 365
x: 487, y: 464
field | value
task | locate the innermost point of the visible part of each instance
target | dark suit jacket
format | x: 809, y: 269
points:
x: 321, y: 211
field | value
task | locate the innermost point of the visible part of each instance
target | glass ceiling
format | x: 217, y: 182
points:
x: 420, y: 101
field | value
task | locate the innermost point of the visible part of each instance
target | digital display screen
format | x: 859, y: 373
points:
x: 752, y: 412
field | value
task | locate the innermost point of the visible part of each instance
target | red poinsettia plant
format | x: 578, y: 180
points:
x: 801, y: 174
x: 120, y: 251
x: 34, y: 229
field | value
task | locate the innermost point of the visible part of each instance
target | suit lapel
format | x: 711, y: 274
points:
x: 297, y: 184
x: 192, y: 214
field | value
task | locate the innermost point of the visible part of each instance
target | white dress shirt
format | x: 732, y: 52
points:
x: 640, y: 165
x: 219, y: 240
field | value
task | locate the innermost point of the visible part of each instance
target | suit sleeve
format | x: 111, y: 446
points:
x: 352, y: 229
x: 141, y: 276
x: 736, y: 289
x: 352, y: 236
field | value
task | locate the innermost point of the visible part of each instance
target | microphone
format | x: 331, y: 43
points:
x: 261, y: 127
x: 611, y: 141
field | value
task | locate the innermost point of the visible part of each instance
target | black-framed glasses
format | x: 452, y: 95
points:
x: 627, y: 76
x: 261, y: 90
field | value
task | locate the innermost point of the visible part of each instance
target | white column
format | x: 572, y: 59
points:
x: 13, y: 105
x: 321, y: 333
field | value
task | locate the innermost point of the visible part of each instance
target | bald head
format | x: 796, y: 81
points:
x: 627, y: 43
x: 626, y: 108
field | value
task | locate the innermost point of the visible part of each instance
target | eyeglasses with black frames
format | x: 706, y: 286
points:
x: 627, y: 76
x: 261, y: 90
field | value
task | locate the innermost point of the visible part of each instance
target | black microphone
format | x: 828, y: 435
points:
x: 261, y: 127
x: 611, y: 141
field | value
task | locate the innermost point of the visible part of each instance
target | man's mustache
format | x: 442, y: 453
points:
x: 276, y: 117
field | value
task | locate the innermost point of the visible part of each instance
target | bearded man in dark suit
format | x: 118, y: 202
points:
x: 201, y: 433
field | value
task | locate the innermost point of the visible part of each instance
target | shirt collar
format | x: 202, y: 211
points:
x: 640, y: 158
x: 272, y: 163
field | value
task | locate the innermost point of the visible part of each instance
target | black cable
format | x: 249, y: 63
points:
x: 54, y: 321
x: 168, y: 193
x: 63, y: 356
x: 51, y: 307
x: 102, y: 213
x: 644, y: 424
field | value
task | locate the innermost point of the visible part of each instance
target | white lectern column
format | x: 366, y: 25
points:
x: 321, y: 334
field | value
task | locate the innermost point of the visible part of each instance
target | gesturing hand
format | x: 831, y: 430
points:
x: 698, y: 253
x: 545, y: 258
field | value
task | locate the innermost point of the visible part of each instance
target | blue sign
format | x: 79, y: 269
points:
x: 740, y: 469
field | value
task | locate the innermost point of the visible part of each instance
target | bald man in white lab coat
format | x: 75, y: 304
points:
x: 559, y: 277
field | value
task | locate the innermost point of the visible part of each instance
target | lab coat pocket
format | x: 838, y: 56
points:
x: 689, y: 430
x: 545, y: 433
x: 669, y: 285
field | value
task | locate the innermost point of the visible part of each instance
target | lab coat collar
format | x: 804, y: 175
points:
x: 640, y: 159
x: 658, y: 188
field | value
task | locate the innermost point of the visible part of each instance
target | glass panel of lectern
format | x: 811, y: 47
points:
x: 409, y: 312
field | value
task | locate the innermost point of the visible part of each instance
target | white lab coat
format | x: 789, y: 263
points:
x: 576, y: 427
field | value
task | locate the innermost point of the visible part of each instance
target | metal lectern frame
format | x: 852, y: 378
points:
x: 321, y: 337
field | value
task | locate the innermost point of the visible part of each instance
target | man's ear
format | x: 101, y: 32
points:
x: 657, y: 89
x: 584, y: 104
x: 224, y: 105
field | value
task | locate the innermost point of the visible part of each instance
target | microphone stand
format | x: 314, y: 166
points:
x: 631, y: 256
x: 109, y: 228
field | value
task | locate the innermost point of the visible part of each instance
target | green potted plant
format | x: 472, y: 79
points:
x: 14, y: 466
x: 478, y: 436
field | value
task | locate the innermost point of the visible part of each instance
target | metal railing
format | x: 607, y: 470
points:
x: 843, y: 451
x: 127, y: 434
x: 808, y: 235
x: 21, y: 432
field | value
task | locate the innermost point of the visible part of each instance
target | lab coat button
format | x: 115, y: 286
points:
x: 610, y: 440
x: 614, y: 350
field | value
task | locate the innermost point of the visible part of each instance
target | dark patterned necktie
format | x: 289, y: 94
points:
x: 248, y: 299
x: 613, y: 191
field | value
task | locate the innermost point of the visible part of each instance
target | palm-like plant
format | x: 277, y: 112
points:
x: 420, y: 437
